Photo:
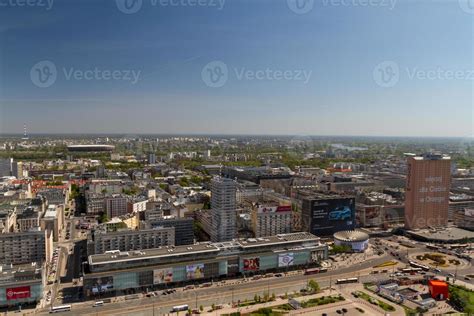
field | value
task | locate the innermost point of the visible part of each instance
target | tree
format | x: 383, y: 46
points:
x: 201, y: 308
x: 313, y: 285
x: 103, y: 218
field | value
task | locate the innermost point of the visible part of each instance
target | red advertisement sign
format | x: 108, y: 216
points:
x: 18, y: 292
x: 252, y: 264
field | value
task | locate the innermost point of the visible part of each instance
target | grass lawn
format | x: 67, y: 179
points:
x: 462, y: 298
x: 323, y: 300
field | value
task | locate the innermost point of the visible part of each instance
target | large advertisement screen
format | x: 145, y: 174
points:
x: 251, y: 264
x: 286, y: 260
x: 162, y: 276
x: 103, y: 284
x: 15, y: 293
x: 332, y: 215
x: 195, y: 271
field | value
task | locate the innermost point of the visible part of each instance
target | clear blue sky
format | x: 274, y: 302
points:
x: 337, y: 46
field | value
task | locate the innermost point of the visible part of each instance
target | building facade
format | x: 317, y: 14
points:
x: 224, y: 209
x: 326, y: 214
x: 23, y: 248
x: 183, y: 227
x: 21, y: 285
x: 118, y: 272
x: 128, y: 240
x: 271, y: 220
x: 116, y: 205
x: 427, y: 191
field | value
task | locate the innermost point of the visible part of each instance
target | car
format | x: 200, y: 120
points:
x: 437, y: 270
x: 98, y: 303
x: 451, y: 275
x: 340, y: 214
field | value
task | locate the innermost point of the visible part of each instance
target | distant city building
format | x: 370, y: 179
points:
x: 101, y: 241
x: 137, y: 204
x: 28, y: 218
x: 53, y: 220
x: 5, y: 167
x: 8, y: 216
x: 464, y: 218
x: 151, y: 158
x: 223, y: 209
x: 53, y: 195
x: 427, y: 191
x: 22, y: 248
x: 116, y: 205
x: 95, y: 203
x: 184, y: 228
x: 270, y: 220
x: 18, y: 170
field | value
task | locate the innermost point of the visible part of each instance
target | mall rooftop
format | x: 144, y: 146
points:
x: 442, y: 234
x: 282, y: 240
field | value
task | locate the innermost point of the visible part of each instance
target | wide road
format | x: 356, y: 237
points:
x: 225, y: 294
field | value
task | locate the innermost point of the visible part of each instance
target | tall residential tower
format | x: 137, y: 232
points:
x: 224, y: 209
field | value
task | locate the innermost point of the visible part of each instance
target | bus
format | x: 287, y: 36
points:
x: 315, y: 271
x: 417, y: 265
x: 411, y: 270
x: 58, y: 309
x: 180, y: 308
x: 348, y: 280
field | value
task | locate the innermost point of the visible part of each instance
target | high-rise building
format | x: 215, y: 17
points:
x: 17, y: 169
x: 224, y: 209
x: 151, y: 158
x: 5, y: 167
x: 427, y: 191
x: 116, y: 205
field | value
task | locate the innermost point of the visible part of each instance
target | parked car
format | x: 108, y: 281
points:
x: 340, y: 214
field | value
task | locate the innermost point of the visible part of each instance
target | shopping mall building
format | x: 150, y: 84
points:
x: 116, y: 273
x: 21, y: 285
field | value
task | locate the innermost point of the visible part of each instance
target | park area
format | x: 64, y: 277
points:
x: 438, y: 260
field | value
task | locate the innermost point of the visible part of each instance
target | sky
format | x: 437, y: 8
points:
x: 292, y: 67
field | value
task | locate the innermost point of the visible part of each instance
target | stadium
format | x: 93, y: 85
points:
x: 90, y: 148
x: 357, y: 240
